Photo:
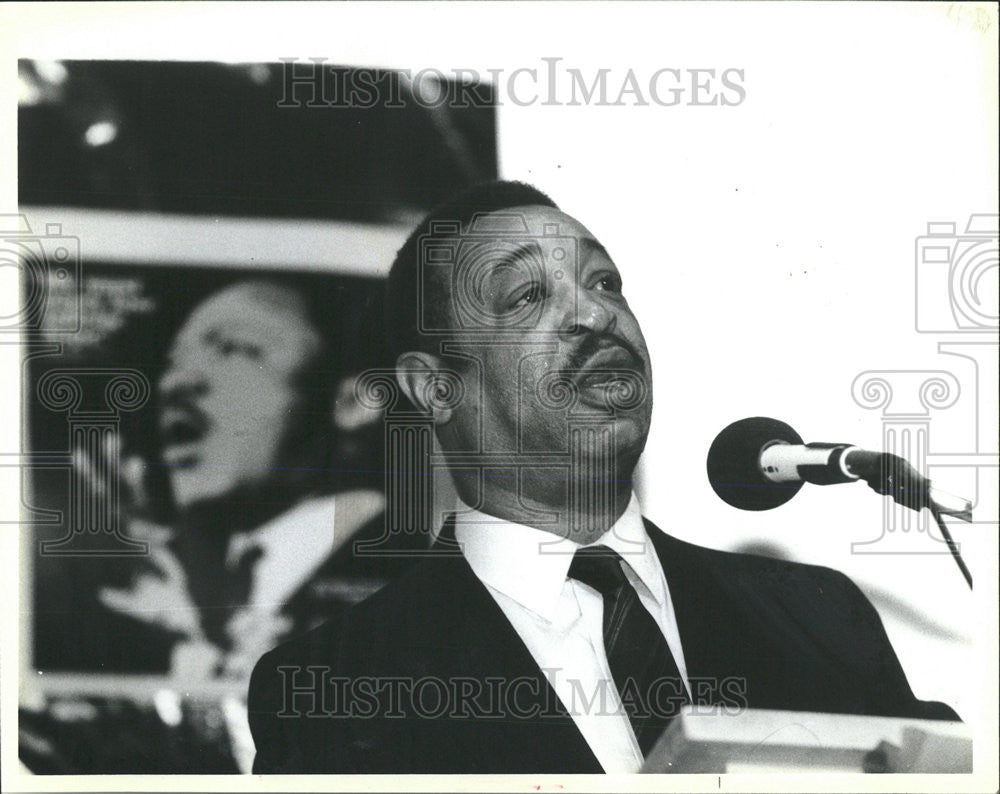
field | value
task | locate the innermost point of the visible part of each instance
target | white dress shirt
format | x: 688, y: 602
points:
x: 295, y: 544
x: 560, y: 620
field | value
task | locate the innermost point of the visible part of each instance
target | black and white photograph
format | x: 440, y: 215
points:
x: 479, y: 396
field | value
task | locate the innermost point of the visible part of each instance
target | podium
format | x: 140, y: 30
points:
x: 757, y: 740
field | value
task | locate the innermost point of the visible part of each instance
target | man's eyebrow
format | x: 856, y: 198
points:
x: 508, y: 258
x: 590, y: 245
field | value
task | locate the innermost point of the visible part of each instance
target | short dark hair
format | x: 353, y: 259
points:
x: 401, y: 309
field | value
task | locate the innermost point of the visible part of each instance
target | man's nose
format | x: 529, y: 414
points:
x: 590, y: 313
x: 183, y: 379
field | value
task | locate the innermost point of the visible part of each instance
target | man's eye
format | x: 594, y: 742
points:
x: 231, y: 347
x: 610, y: 283
x: 531, y: 294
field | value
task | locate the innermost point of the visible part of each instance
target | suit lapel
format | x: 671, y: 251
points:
x: 540, y: 735
x: 713, y: 635
x: 743, y: 642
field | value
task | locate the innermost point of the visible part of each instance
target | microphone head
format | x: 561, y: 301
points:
x: 734, y: 464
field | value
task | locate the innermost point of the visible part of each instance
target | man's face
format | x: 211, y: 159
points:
x: 228, y: 394
x: 564, y: 332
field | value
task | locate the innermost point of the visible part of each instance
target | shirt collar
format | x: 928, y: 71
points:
x: 294, y: 545
x: 530, y: 565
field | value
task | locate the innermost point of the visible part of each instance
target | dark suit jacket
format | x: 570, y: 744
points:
x: 757, y: 632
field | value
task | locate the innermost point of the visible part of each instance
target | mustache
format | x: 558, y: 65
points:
x: 177, y: 399
x: 180, y: 417
x: 595, y: 343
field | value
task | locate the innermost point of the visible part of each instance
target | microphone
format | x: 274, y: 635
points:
x: 760, y: 463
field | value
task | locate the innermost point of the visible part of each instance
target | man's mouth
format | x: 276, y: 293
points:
x: 599, y: 378
x: 607, y: 366
x: 182, y: 427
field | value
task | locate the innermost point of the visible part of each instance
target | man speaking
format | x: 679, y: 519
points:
x: 554, y: 629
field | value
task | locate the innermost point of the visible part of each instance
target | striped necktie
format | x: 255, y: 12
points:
x: 642, y: 666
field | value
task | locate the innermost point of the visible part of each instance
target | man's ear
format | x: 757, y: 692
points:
x: 422, y: 378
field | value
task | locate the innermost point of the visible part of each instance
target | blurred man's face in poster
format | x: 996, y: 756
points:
x: 229, y: 393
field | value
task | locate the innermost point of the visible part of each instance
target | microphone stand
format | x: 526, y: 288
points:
x: 952, y: 546
x: 891, y: 475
